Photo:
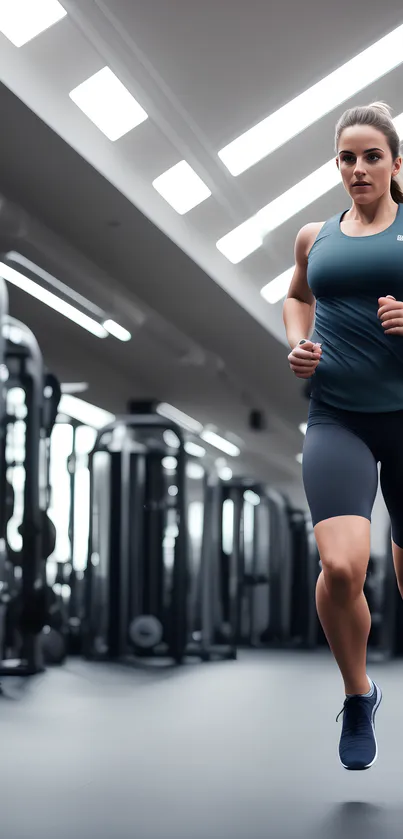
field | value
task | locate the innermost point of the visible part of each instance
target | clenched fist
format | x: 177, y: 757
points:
x: 390, y: 313
x: 304, y: 359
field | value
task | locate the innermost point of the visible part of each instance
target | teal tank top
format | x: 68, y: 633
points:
x: 361, y: 368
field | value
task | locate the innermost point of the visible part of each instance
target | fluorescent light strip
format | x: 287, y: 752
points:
x: 219, y: 443
x: 22, y: 20
x: 274, y: 131
x: 181, y: 187
x: 84, y: 412
x: 276, y: 289
x: 190, y: 424
x: 194, y: 450
x: 173, y: 414
x: 111, y: 326
x: 108, y: 104
x: 51, y: 300
x: 303, y: 427
x: 248, y: 236
x: 116, y: 330
x: 299, y: 196
x: 56, y: 285
x: 74, y: 387
x: 242, y: 241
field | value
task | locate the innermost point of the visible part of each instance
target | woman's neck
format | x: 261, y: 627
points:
x: 380, y: 211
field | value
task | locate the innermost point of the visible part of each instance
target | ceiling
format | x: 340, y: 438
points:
x: 203, y: 337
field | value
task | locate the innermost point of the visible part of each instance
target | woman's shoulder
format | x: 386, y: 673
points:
x: 311, y: 229
x: 307, y: 235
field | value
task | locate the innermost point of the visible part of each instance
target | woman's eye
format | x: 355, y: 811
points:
x: 349, y: 158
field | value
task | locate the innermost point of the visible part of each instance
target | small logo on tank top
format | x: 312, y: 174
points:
x: 400, y: 238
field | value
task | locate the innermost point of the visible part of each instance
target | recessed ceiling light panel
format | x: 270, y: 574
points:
x: 181, y: 187
x: 23, y: 20
x: 108, y: 104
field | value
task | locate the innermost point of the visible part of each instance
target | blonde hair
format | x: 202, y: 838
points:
x: 378, y: 115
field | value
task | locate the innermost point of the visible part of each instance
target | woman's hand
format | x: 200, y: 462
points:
x: 305, y: 358
x: 390, y: 313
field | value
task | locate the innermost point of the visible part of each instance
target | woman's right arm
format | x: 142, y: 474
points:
x: 299, y: 307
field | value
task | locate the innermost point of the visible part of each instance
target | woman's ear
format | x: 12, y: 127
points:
x: 397, y: 167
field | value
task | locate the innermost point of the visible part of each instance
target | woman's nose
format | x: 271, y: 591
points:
x: 359, y: 168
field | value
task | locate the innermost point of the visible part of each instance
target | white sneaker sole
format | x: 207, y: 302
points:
x: 374, y: 710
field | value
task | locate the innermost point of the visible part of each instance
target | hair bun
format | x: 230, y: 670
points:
x: 383, y: 108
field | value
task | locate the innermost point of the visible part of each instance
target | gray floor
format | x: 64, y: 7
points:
x: 224, y: 750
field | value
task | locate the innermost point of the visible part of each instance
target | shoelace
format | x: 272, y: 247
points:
x: 357, y: 715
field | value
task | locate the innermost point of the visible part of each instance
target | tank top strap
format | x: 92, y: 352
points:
x: 332, y: 225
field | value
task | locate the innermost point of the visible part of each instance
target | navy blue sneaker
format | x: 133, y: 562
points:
x: 358, y: 747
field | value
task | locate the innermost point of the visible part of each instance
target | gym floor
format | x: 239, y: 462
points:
x: 226, y: 750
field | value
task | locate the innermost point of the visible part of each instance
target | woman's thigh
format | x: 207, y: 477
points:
x: 340, y: 473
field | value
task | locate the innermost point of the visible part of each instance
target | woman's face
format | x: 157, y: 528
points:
x: 365, y: 163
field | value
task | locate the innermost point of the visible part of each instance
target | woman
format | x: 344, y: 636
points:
x: 349, y: 278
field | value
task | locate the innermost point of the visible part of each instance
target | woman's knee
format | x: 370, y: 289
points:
x: 344, y: 548
x: 344, y: 577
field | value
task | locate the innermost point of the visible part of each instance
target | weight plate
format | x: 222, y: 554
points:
x: 146, y: 631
